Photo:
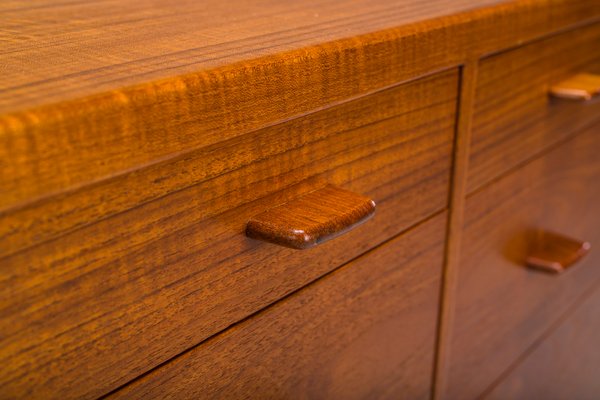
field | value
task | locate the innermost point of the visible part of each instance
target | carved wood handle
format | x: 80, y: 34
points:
x: 578, y: 87
x: 555, y: 253
x: 312, y: 218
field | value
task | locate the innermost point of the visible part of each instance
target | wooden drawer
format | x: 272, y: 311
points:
x: 95, y: 307
x: 502, y: 307
x: 514, y: 117
x: 565, y: 365
x: 365, y: 331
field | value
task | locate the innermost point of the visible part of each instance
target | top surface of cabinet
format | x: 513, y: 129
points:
x: 53, y: 52
x: 92, y: 90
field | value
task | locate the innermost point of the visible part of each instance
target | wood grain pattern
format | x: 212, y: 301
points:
x: 137, y: 138
x: 143, y: 40
x: 57, y: 144
x: 365, y: 331
x: 105, y: 45
x: 311, y: 219
x: 579, y: 87
x: 565, y: 365
x: 555, y: 253
x: 41, y: 221
x: 44, y: 220
x: 502, y: 307
x: 514, y: 117
x: 166, y: 275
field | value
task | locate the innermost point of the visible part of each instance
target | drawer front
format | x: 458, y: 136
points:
x: 502, y: 307
x: 153, y: 281
x: 365, y: 331
x: 514, y: 117
x: 565, y: 365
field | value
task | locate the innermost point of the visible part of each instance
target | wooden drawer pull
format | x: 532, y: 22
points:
x: 555, y: 253
x: 312, y: 218
x: 578, y: 87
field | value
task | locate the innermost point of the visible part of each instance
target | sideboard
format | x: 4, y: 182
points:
x: 312, y: 199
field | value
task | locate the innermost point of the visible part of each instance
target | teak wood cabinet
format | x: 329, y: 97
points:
x: 264, y: 199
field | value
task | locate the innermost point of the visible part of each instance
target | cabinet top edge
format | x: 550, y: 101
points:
x: 57, y: 52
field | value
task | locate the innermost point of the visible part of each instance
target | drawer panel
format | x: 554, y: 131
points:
x: 502, y: 307
x: 514, y: 117
x: 153, y: 281
x: 365, y: 331
x: 262, y: 155
x: 565, y: 365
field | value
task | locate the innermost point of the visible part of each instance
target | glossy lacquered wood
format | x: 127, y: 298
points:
x: 163, y: 39
x: 579, y: 87
x: 365, y: 331
x: 43, y: 220
x: 515, y: 116
x: 564, y: 365
x: 555, y: 253
x: 99, y: 96
x: 311, y: 219
x: 170, y: 273
x: 502, y: 306
x: 137, y: 139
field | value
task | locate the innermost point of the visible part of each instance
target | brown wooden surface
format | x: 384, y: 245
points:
x: 44, y: 220
x: 455, y: 223
x: 57, y: 136
x: 160, y: 278
x: 54, y: 51
x: 565, y: 365
x: 515, y: 117
x: 103, y: 45
x: 502, y: 306
x: 311, y: 219
x: 579, y: 87
x: 365, y: 331
x: 132, y: 153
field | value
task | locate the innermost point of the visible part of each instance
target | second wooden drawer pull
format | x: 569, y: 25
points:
x: 555, y: 253
x: 578, y: 87
x: 312, y: 218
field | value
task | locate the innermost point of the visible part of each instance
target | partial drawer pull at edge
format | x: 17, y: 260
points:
x: 579, y: 87
x: 555, y: 253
